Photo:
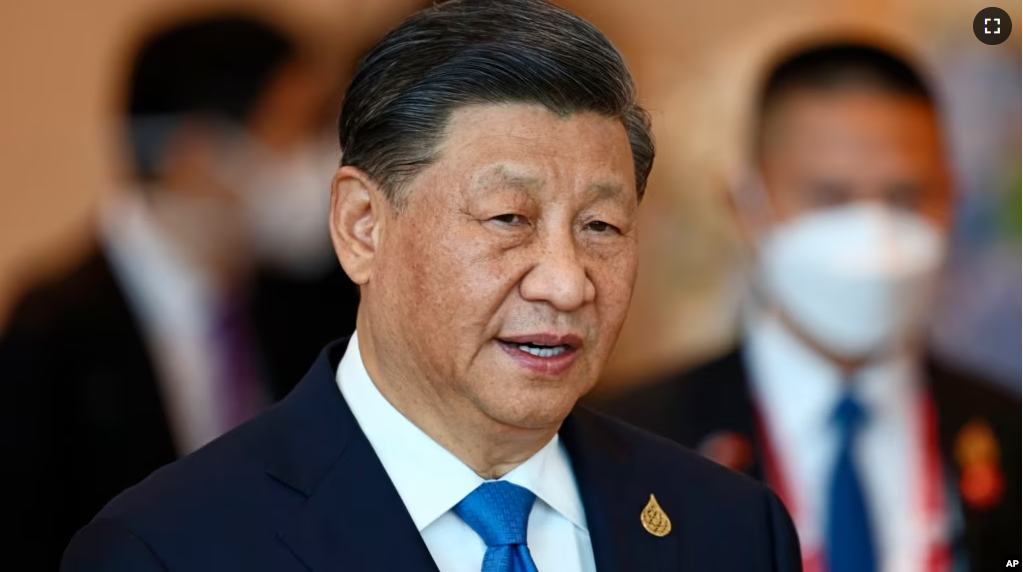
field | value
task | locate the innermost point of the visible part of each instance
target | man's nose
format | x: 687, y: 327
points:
x: 559, y: 275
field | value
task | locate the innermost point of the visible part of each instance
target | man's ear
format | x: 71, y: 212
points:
x: 358, y: 211
x: 748, y: 201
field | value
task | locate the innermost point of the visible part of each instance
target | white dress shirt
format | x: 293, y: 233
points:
x: 431, y: 481
x: 797, y: 391
x: 173, y: 303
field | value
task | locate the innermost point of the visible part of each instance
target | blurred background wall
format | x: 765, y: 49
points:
x: 695, y: 63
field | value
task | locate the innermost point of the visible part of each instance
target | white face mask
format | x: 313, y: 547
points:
x: 286, y: 199
x: 855, y: 278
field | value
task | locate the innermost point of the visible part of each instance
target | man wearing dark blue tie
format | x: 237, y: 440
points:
x: 494, y: 157
x: 886, y: 458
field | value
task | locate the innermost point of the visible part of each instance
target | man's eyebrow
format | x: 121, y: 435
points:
x: 607, y: 189
x: 503, y: 176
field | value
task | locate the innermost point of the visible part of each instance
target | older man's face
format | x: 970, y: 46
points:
x: 507, y: 275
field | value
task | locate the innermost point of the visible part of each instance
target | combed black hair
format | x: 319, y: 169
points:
x: 214, y: 66
x: 838, y: 66
x: 466, y: 52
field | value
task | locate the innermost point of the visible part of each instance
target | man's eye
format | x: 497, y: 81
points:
x: 601, y: 226
x: 905, y: 196
x: 509, y: 219
x: 829, y: 194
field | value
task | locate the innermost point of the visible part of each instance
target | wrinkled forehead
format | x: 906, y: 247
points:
x: 527, y: 179
x: 529, y: 149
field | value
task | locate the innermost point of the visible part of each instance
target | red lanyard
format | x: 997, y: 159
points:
x: 939, y: 557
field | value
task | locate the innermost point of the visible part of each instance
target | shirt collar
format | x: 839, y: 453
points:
x: 548, y: 474
x: 428, y: 477
x: 169, y: 291
x: 800, y: 389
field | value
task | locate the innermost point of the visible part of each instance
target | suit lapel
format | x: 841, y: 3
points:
x: 123, y: 336
x: 613, y: 497
x: 352, y: 517
x: 356, y: 521
x: 967, y: 521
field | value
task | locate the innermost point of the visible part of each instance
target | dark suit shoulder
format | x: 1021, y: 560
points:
x: 664, y: 459
x: 89, y: 287
x: 83, y: 415
x: 209, y: 507
x: 968, y: 394
x: 220, y: 477
x: 221, y: 507
x: 971, y: 411
x: 735, y: 520
x: 109, y: 546
x: 964, y: 400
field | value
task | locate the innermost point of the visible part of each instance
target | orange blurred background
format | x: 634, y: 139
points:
x: 695, y: 64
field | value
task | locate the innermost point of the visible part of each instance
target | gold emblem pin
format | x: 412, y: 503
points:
x: 654, y: 520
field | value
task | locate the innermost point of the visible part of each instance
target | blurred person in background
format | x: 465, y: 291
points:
x: 886, y: 459
x: 213, y: 276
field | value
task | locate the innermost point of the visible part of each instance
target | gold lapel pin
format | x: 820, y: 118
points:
x: 654, y: 520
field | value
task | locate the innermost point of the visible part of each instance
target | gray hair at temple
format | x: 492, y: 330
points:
x: 468, y: 52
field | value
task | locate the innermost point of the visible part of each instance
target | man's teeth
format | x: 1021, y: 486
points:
x: 544, y: 352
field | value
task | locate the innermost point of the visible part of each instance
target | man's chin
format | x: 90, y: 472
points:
x: 532, y: 421
x: 530, y: 407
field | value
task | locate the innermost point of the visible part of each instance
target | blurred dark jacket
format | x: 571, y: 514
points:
x: 82, y: 408
x: 715, y: 399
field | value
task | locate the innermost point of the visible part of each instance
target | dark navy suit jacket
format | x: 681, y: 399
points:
x: 300, y: 488
x: 715, y: 399
x: 82, y: 414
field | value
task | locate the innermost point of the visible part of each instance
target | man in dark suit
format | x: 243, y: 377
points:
x: 886, y: 460
x: 494, y: 158
x: 173, y: 329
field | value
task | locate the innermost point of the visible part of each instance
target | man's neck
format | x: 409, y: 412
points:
x: 847, y: 365
x: 488, y: 447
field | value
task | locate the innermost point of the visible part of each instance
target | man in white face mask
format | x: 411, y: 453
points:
x: 887, y: 461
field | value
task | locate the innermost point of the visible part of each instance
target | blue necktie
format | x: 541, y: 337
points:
x: 850, y: 546
x: 499, y: 511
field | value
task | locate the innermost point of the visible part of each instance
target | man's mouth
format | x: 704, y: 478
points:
x: 545, y: 353
x: 544, y: 342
